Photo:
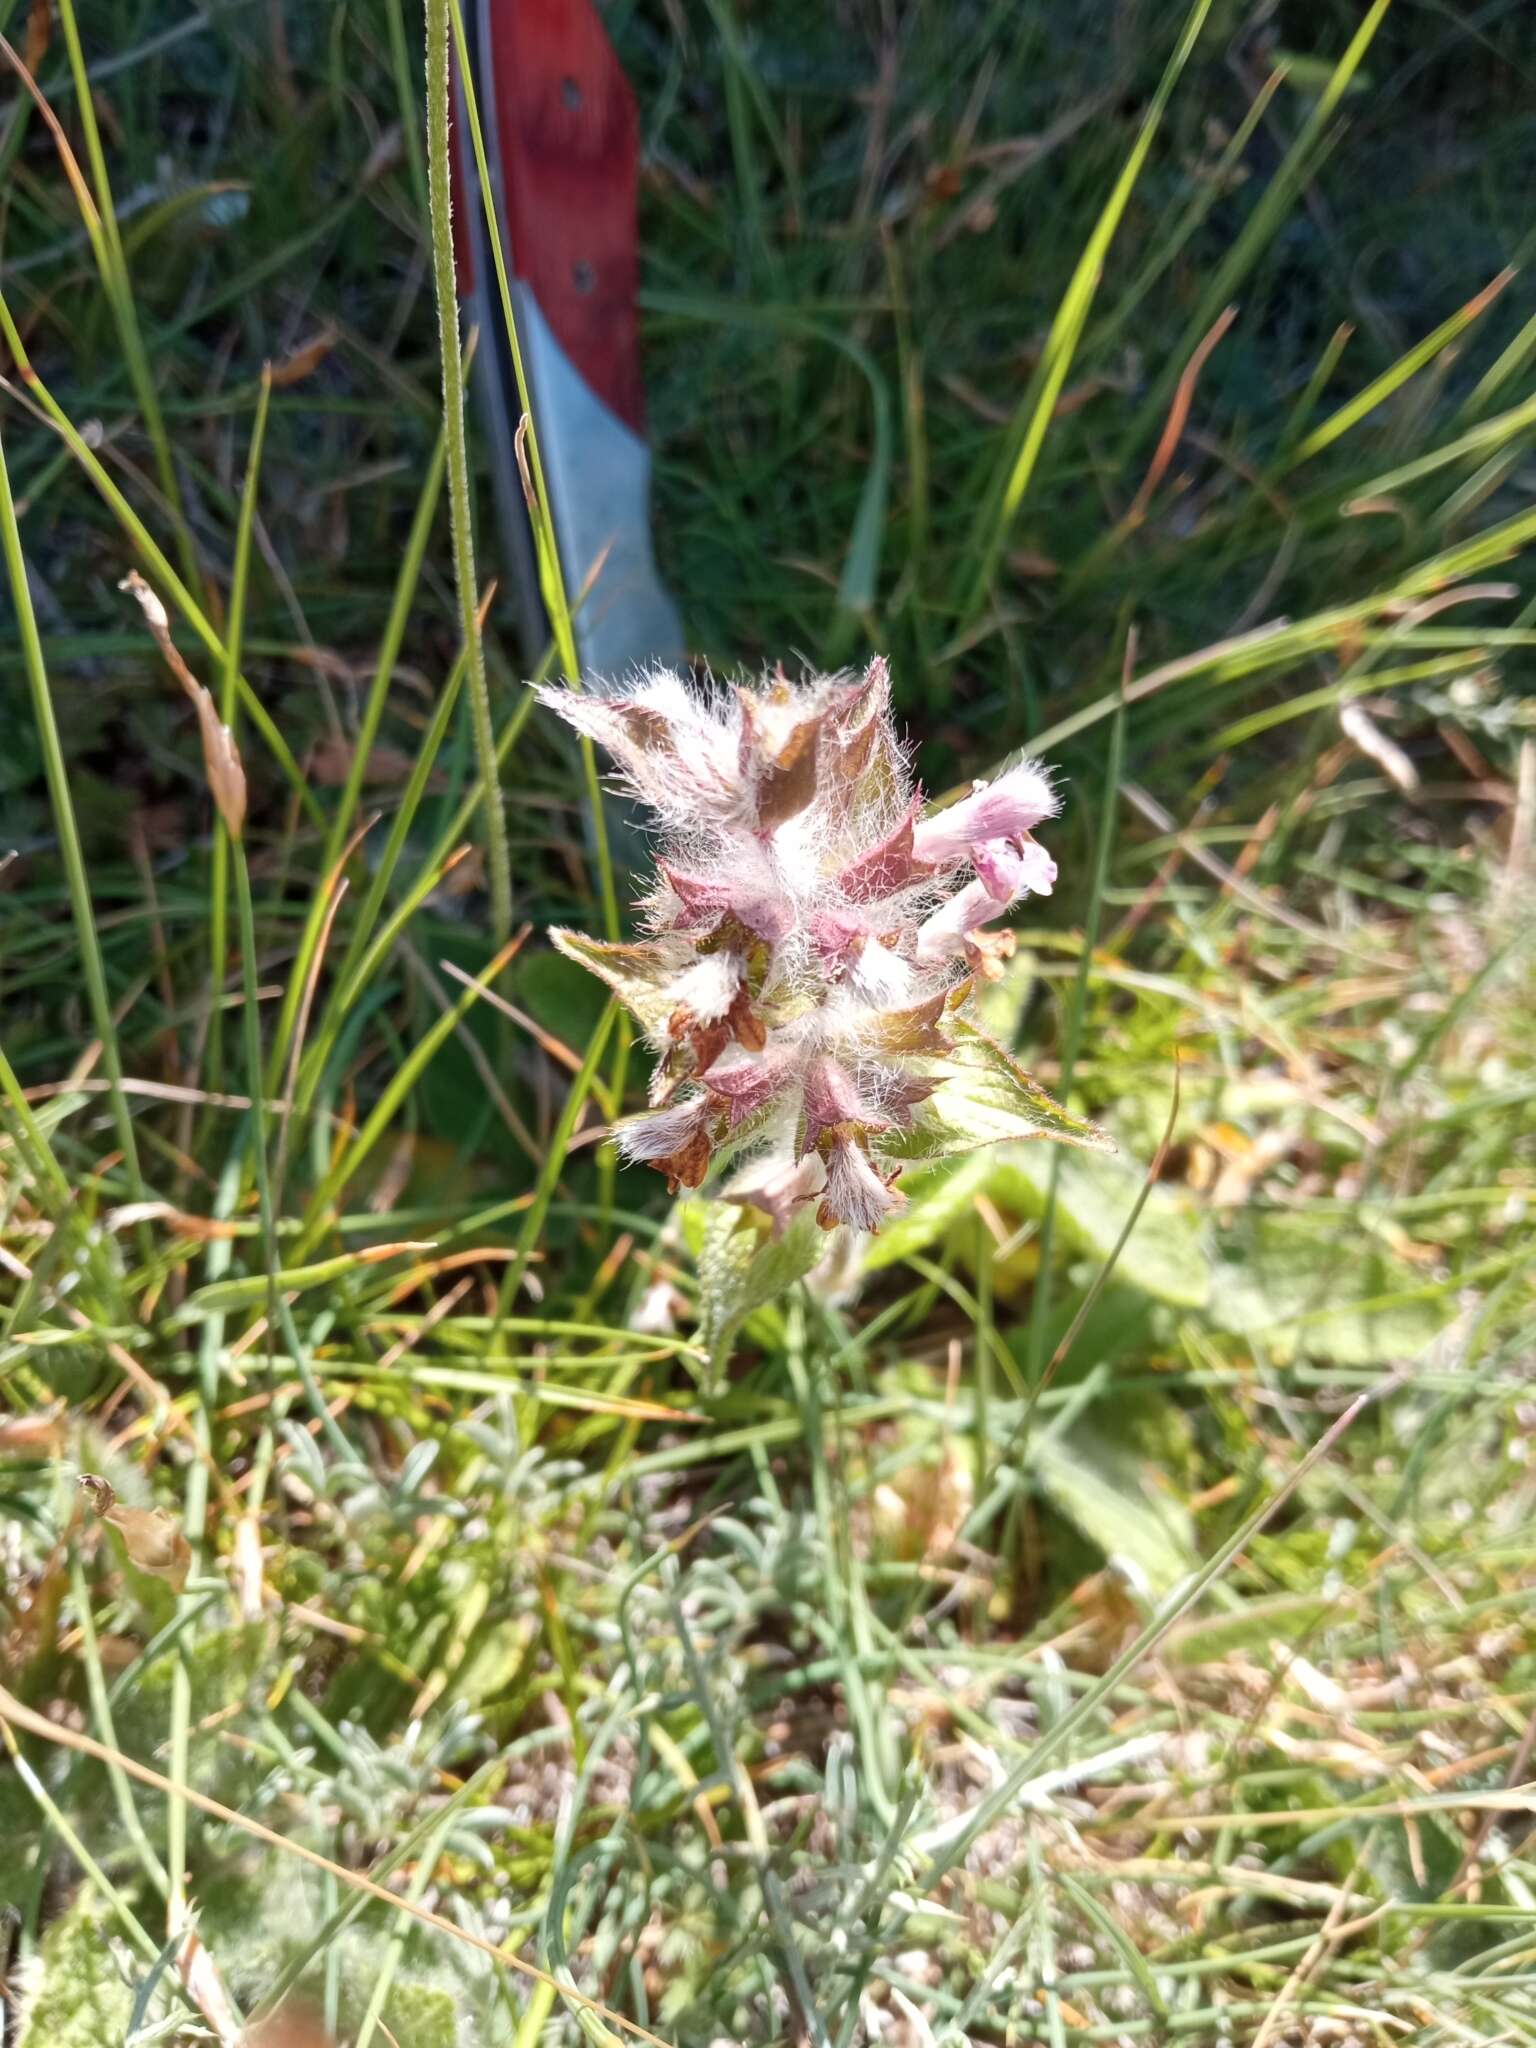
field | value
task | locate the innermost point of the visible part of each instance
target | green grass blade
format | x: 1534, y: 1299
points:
x: 1297, y: 165
x: 162, y: 574
x: 546, y: 548
x: 317, y: 1215
x: 1477, y: 441
x: 554, y: 1161
x: 34, y: 1145
x: 1072, y: 1029
x: 357, y: 767
x: 71, y: 853
x: 1059, y: 1736
x: 460, y: 509
x: 410, y: 110
x: 1381, y: 388
x: 119, y: 290
x: 1312, y: 391
x: 1511, y: 361
x: 370, y: 943
x: 1026, y: 435
x: 1171, y: 244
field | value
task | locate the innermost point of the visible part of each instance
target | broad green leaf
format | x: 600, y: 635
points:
x: 640, y: 973
x: 984, y: 1097
x: 559, y: 992
x: 1419, y: 1866
x: 1102, y: 1487
x: 1308, y: 1288
x: 1164, y: 1256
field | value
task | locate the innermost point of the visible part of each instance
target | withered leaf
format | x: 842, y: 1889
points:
x: 306, y: 358
x: 221, y: 759
x: 788, y: 784
x: 153, y: 1540
x: 152, y: 1537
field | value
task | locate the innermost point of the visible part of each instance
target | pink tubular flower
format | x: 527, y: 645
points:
x: 856, y: 1193
x: 1004, y: 810
x: 832, y: 1103
x: 674, y: 1139
x: 811, y: 934
x: 780, y: 1191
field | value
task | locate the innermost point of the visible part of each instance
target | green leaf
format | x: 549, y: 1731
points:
x: 1164, y: 1256
x: 1312, y: 1290
x: 984, y: 1097
x: 81, y: 1997
x: 742, y: 1267
x: 640, y: 973
x: 1099, y: 1485
x: 559, y: 993
x: 1421, y: 1866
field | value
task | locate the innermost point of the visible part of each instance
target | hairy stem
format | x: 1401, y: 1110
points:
x: 498, y: 860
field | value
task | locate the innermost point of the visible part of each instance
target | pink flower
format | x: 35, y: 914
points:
x: 856, y: 1193
x: 1011, y: 868
x: 810, y: 931
x: 675, y: 1140
x: 943, y: 936
x: 781, y: 1191
x: 1004, y: 810
x: 832, y: 1103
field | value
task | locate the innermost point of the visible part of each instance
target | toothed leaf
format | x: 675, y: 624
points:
x: 642, y: 975
x: 742, y: 1267
x: 984, y: 1097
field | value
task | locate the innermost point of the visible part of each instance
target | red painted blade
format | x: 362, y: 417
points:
x: 562, y: 143
x: 569, y: 137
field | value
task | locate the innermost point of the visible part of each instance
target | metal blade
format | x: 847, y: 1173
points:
x: 560, y: 137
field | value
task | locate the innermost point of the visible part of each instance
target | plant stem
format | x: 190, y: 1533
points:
x: 279, y: 1316
x: 229, y: 712
x: 460, y: 514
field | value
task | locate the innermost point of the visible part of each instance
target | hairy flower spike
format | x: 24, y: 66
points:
x: 813, y: 934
